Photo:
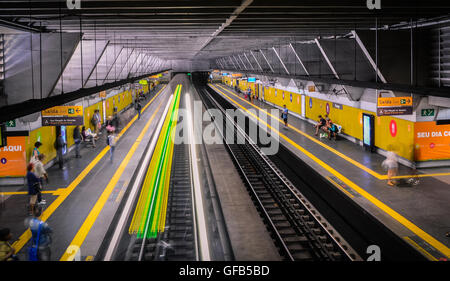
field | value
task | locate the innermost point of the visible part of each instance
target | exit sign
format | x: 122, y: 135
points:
x: 428, y: 112
x: 11, y: 124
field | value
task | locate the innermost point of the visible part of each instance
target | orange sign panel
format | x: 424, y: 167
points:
x: 236, y: 75
x: 432, y: 142
x: 395, y: 101
x: 13, y: 159
x: 311, y: 89
x: 102, y: 94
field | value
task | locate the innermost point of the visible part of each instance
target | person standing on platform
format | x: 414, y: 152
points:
x: 34, y: 187
x: 40, y: 237
x: 7, y: 252
x: 77, y: 140
x: 96, y: 122
x: 115, y: 120
x: 284, y: 116
x: 111, y: 141
x: 60, y: 144
x: 36, y: 152
x: 391, y: 164
x: 40, y: 172
x: 138, y: 108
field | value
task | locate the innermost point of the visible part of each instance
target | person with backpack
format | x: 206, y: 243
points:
x: 111, y: 141
x: 138, y: 108
x: 332, y: 130
x: 41, y: 239
x: 284, y: 116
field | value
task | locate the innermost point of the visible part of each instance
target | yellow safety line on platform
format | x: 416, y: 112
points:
x: 340, y: 154
x: 420, y: 249
x: 340, y: 187
x: 25, y: 192
x: 89, y: 258
x: 65, y: 192
x: 79, y: 238
x: 412, y: 227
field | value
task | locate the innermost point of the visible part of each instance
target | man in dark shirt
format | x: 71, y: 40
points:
x: 138, y: 107
x: 322, y: 122
x: 77, y: 140
x: 59, y: 149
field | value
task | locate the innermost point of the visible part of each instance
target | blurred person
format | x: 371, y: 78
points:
x: 111, y: 141
x: 36, y: 151
x: 60, y: 144
x: 7, y: 252
x: 77, y: 140
x: 40, y: 237
x: 391, y: 165
x: 96, y: 121
x: 284, y: 116
x: 34, y: 187
x: 87, y: 135
x: 40, y: 172
x: 138, y: 108
x: 109, y: 124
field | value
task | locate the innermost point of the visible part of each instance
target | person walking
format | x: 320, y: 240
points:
x: 111, y: 141
x: 40, y: 172
x: 284, y: 116
x: 138, y: 108
x: 77, y: 140
x: 391, y: 164
x: 7, y: 252
x: 34, y: 187
x: 60, y: 144
x: 40, y: 237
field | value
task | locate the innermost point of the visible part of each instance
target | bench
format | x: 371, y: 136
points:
x: 325, y: 135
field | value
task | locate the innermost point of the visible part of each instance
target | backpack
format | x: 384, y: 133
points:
x: 33, y: 249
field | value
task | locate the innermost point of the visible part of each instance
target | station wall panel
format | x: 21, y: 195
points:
x: 390, y: 133
x: 47, y: 134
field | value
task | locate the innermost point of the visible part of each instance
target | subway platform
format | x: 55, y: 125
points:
x: 81, y: 198
x: 418, y: 214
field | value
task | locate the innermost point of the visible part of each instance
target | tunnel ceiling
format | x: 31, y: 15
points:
x: 177, y: 30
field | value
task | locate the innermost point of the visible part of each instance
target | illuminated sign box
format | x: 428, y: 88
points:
x: 251, y: 79
x: 387, y: 106
x: 63, y: 116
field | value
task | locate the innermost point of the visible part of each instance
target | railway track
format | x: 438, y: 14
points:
x: 298, y: 230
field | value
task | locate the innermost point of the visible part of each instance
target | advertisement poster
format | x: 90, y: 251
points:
x: 432, y: 141
x: 13, y: 159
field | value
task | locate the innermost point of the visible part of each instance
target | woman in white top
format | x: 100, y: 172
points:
x: 391, y: 164
x: 40, y: 172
